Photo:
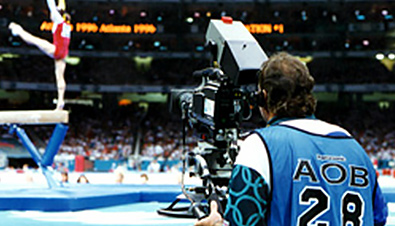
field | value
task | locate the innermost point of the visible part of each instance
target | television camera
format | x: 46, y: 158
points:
x: 215, y: 110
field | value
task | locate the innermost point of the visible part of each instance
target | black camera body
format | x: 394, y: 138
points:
x: 214, y: 106
x: 214, y: 110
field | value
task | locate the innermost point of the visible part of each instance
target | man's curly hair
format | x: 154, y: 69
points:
x: 289, y: 86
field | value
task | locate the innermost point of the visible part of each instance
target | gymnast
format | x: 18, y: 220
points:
x: 58, y: 50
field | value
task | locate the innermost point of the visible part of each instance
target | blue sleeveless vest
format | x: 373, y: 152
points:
x: 317, y: 178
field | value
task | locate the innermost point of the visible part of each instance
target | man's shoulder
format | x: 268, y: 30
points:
x: 316, y: 127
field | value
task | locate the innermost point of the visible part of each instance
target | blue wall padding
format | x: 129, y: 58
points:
x: 54, y: 143
x: 105, y: 165
x: 28, y: 145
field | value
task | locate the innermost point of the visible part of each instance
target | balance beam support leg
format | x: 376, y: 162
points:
x: 54, y: 143
x: 28, y: 144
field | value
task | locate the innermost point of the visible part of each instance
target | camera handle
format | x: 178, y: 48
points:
x: 212, y: 73
x: 214, y: 196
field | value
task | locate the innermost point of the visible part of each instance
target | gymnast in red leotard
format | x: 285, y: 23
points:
x: 59, y: 49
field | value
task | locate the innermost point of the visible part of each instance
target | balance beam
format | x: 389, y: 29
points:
x: 34, y: 117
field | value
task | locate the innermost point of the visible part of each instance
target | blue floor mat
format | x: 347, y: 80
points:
x: 83, y: 196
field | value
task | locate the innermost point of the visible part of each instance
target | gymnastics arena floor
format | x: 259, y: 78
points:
x: 105, y: 204
x: 132, y: 214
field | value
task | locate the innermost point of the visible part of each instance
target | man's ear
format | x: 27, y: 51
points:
x: 262, y: 98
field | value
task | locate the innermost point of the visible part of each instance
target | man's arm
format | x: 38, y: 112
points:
x: 248, y: 198
x: 247, y: 203
x: 249, y: 186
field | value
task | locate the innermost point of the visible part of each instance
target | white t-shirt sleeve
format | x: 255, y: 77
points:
x: 253, y: 154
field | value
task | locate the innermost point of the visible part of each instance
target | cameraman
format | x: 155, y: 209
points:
x: 298, y: 170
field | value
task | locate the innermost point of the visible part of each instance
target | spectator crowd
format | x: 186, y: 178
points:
x: 152, y: 135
